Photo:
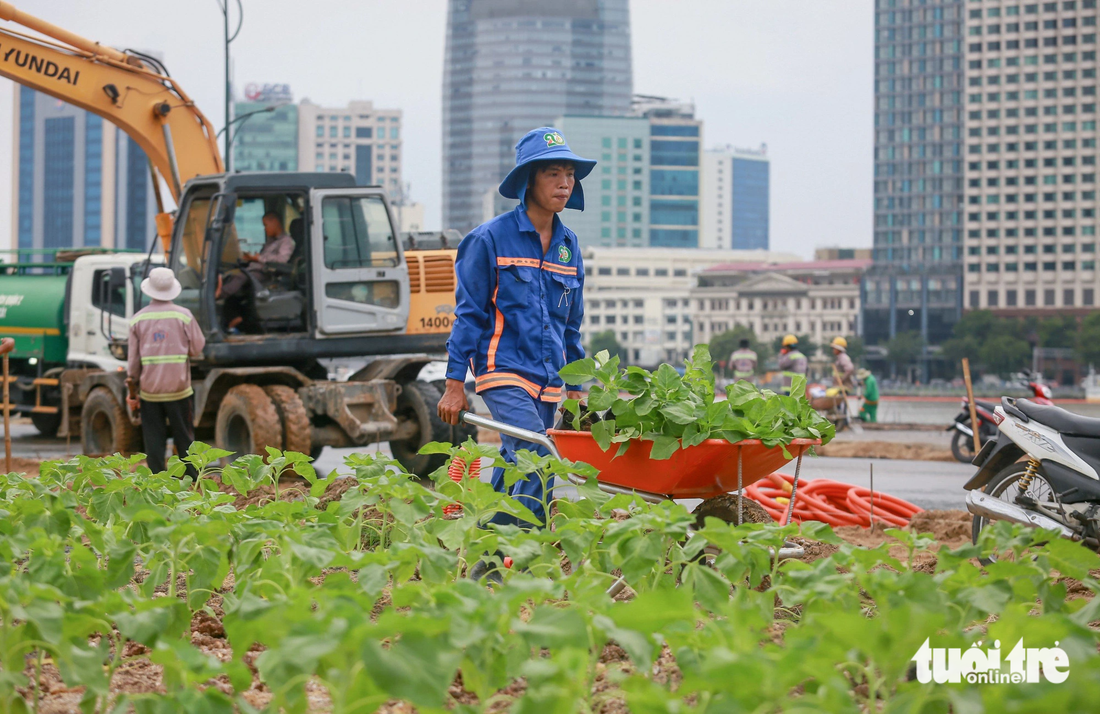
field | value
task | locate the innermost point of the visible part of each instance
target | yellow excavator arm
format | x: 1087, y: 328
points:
x: 118, y: 86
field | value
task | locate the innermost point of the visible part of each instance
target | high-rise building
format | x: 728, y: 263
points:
x: 645, y: 188
x: 266, y: 136
x: 515, y: 65
x: 675, y: 168
x: 1031, y: 150
x: 78, y: 180
x: 359, y: 139
x: 915, y: 283
x: 616, y: 193
x: 735, y: 198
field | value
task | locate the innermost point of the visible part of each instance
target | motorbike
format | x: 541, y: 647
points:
x: 962, y: 441
x: 833, y: 406
x: 1055, y: 486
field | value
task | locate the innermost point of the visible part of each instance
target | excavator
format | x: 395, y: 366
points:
x: 352, y: 288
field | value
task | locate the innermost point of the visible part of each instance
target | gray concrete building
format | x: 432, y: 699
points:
x: 514, y: 65
x: 360, y: 139
x: 1031, y: 135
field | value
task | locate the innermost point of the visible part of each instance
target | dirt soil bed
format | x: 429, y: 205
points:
x: 885, y: 450
x: 20, y: 465
x: 139, y: 674
x: 949, y: 528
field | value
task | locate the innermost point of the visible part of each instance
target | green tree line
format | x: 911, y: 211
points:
x: 1003, y: 345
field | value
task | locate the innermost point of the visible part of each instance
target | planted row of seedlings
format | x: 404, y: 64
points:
x: 124, y: 590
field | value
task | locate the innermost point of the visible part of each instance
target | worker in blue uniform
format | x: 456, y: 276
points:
x: 519, y: 305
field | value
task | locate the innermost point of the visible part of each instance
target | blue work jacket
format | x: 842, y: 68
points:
x: 518, y: 312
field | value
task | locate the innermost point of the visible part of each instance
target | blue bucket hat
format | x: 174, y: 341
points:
x: 544, y: 144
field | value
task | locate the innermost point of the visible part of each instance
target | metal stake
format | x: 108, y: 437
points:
x: 794, y: 488
x: 740, y: 490
x: 872, y: 497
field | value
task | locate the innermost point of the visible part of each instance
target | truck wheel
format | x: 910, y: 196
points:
x: 105, y: 427
x: 247, y: 422
x: 297, y: 430
x: 417, y: 403
x: 47, y: 424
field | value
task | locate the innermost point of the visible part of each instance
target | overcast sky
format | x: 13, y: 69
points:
x: 794, y: 74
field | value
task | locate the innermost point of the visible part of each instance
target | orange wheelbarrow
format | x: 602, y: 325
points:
x: 709, y: 470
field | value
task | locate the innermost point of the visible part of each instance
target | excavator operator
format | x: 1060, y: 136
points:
x: 278, y: 247
x: 519, y: 304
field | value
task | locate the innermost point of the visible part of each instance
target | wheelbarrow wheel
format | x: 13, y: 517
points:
x: 724, y: 507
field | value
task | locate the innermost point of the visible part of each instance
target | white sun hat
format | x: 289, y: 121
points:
x: 161, y: 284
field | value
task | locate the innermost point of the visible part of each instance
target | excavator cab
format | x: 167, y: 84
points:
x: 346, y: 276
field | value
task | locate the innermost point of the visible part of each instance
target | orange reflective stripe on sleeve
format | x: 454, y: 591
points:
x: 551, y: 394
x: 498, y: 330
x: 526, y: 262
x: 560, y: 269
x: 505, y: 379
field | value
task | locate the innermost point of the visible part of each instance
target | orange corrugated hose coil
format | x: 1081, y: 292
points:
x: 457, y: 471
x: 832, y: 502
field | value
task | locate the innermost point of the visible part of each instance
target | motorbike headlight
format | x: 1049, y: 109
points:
x: 1045, y: 391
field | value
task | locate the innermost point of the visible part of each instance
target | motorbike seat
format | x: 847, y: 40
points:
x: 988, y: 406
x: 1059, y: 419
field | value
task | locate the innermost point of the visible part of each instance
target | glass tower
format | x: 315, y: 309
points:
x: 616, y: 194
x: 915, y: 283
x: 267, y: 141
x: 81, y: 182
x: 674, y: 160
x: 515, y: 65
x: 749, y: 209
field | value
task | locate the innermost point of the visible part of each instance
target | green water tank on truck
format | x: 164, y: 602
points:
x: 32, y: 310
x: 63, y: 316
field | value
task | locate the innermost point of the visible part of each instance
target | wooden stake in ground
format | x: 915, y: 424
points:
x: 973, y: 410
x: 7, y: 344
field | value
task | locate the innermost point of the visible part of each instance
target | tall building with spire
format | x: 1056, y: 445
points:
x: 515, y: 65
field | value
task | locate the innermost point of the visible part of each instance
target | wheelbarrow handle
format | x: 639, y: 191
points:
x: 513, y: 431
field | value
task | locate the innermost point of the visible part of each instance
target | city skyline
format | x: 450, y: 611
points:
x: 793, y: 75
x: 512, y: 66
x: 80, y: 181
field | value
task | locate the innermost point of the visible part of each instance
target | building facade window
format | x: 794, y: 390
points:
x: 58, y: 184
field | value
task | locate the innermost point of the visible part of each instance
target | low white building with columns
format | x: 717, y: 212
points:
x: 642, y: 295
x: 819, y: 298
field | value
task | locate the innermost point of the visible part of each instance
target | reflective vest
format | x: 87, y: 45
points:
x: 744, y: 363
x: 793, y: 364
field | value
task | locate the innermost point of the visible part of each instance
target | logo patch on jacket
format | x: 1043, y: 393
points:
x: 553, y: 138
x: 564, y: 254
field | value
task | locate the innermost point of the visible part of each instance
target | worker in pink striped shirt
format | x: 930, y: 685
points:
x: 164, y: 338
